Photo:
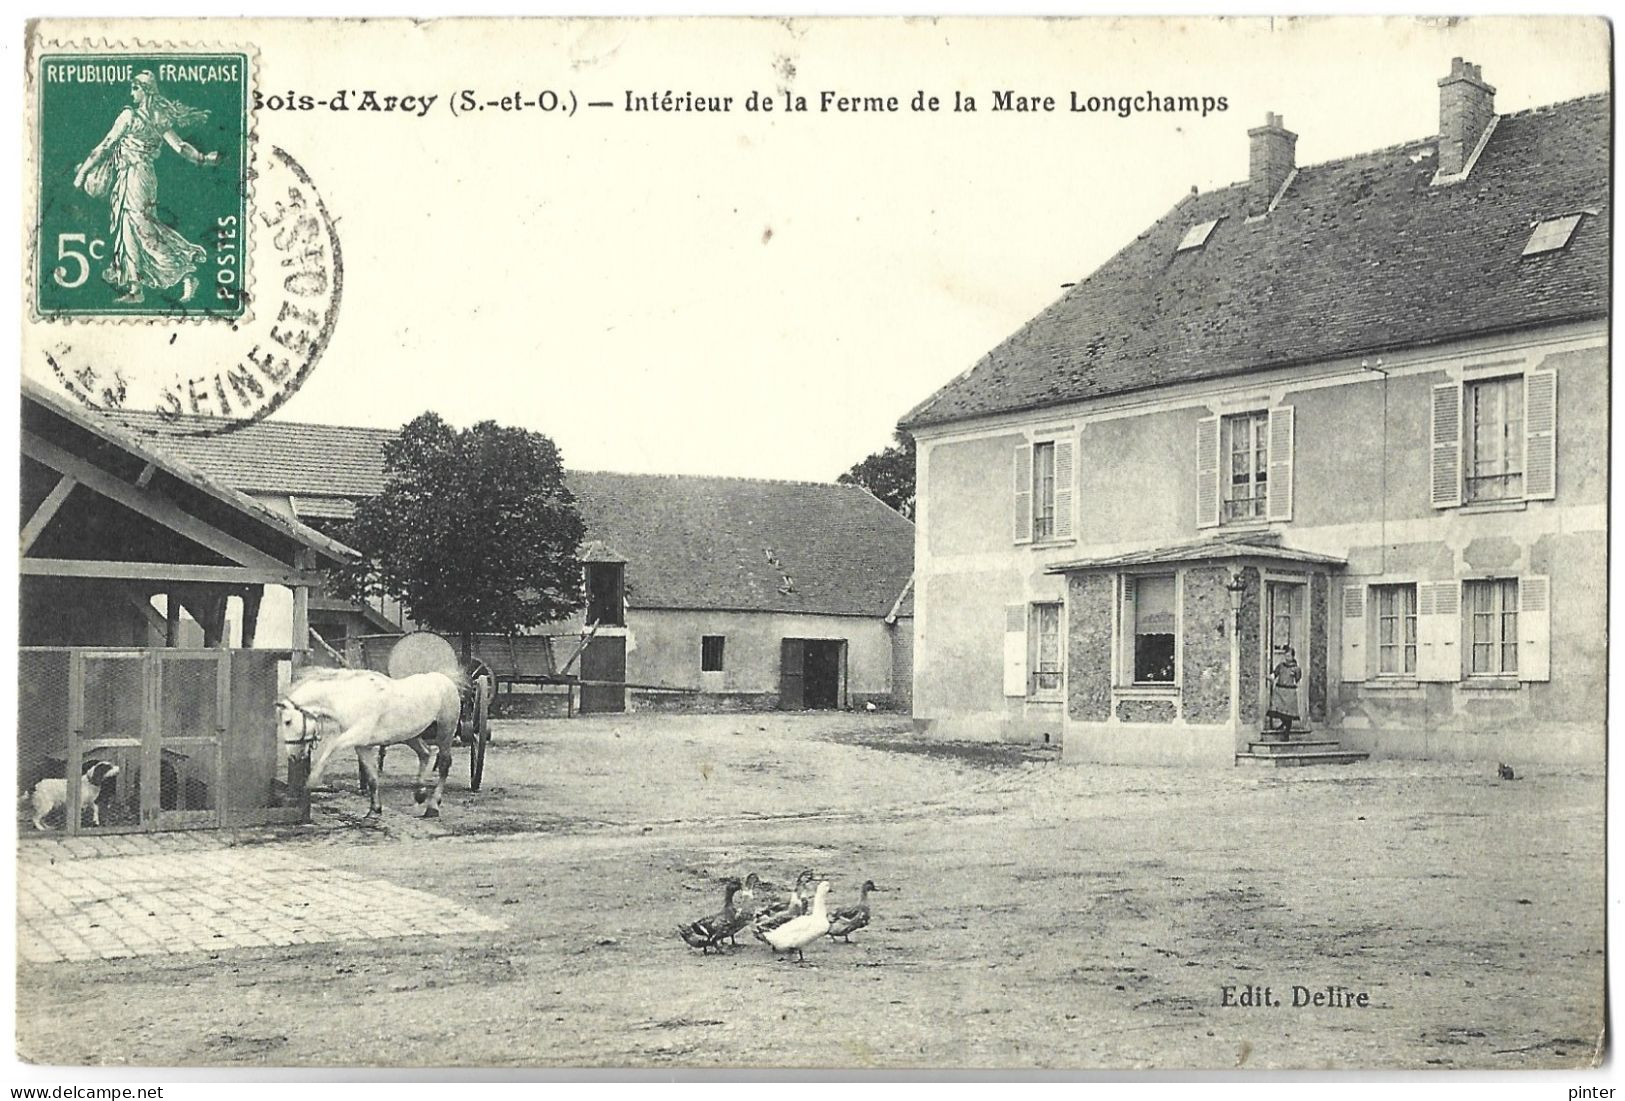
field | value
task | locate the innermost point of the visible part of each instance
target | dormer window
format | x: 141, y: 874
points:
x: 1196, y: 236
x: 1551, y: 235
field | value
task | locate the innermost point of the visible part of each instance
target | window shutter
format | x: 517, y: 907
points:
x: 1438, y: 631
x: 1063, y: 489
x: 1540, y: 435
x: 1354, y: 659
x: 1024, y: 493
x: 1015, y: 650
x: 1446, y: 437
x: 1280, y: 463
x: 1207, y: 472
x: 1125, y: 633
x: 1535, y: 628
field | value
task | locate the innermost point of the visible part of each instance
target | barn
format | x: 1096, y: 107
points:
x: 143, y: 629
x: 703, y: 593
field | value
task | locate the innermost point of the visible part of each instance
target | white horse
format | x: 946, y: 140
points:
x: 370, y: 709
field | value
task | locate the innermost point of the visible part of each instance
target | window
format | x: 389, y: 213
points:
x: 606, y: 594
x: 1043, y: 491
x: 1396, y: 630
x: 1046, y: 648
x: 1247, y: 458
x: 711, y: 653
x: 1152, y: 599
x: 1492, y: 627
x: 1196, y: 236
x: 1551, y: 235
x: 1494, y: 411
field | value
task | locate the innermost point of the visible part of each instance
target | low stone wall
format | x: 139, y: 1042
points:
x: 704, y: 702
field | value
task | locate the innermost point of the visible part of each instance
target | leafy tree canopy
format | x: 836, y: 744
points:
x: 475, y: 530
x: 888, y: 474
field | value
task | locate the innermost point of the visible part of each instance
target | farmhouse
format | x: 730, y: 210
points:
x: 1358, y: 409
x: 703, y: 593
x: 119, y: 539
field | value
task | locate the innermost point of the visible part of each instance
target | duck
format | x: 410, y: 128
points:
x: 776, y: 912
x: 710, y: 932
x: 844, y: 922
x: 798, y: 932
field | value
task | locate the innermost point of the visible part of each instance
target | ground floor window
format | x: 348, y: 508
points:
x: 711, y: 653
x: 1396, y: 630
x: 1152, y: 600
x: 1046, y: 634
x: 1492, y: 626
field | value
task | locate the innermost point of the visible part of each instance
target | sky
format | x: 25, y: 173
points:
x: 766, y: 294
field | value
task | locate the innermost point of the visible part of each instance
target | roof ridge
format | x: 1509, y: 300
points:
x: 846, y: 486
x: 1542, y: 107
x: 1427, y: 140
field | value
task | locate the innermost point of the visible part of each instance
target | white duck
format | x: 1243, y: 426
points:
x: 797, y: 933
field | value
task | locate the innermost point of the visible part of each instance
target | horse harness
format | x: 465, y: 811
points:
x: 310, y: 726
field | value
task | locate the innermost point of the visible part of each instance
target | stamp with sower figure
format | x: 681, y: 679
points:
x: 157, y: 202
x: 143, y: 163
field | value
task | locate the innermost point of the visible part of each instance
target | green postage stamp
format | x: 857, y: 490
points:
x: 143, y: 183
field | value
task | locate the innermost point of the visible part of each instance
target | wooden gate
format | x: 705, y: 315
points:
x: 192, y: 733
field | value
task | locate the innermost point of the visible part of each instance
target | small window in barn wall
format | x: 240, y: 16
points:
x: 711, y: 653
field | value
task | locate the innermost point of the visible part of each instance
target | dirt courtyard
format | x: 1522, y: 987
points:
x: 1041, y: 915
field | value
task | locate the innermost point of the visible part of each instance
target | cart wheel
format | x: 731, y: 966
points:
x: 481, y: 735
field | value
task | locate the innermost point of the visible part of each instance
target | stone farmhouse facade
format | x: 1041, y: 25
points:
x: 1358, y: 408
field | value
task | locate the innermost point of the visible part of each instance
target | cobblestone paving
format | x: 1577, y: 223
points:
x: 118, y: 897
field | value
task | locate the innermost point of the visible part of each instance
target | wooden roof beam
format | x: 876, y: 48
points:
x: 148, y: 503
x: 46, y: 511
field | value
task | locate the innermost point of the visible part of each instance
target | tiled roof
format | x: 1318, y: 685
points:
x: 689, y: 542
x: 754, y: 545
x: 1202, y: 550
x: 189, y: 477
x: 1360, y: 255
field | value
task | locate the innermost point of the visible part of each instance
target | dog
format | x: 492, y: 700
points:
x: 51, y: 794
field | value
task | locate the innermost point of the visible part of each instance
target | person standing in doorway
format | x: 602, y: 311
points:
x: 1284, y: 680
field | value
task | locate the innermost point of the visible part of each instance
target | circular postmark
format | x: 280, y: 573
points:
x: 171, y: 376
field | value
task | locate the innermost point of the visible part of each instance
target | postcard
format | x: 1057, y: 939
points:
x: 820, y: 543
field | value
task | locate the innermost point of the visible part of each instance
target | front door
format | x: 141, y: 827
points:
x: 1287, y: 628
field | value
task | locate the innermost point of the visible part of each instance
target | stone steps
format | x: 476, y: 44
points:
x: 1296, y: 748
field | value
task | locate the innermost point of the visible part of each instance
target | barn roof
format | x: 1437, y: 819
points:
x: 1358, y: 255
x: 145, y: 463
x: 689, y: 542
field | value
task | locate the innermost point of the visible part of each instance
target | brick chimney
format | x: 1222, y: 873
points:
x: 1466, y: 106
x: 1271, y: 149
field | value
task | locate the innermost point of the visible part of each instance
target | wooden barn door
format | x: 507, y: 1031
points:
x: 792, y: 674
x: 604, y: 660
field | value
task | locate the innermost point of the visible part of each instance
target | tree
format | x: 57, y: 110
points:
x: 475, y: 530
x: 888, y: 474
